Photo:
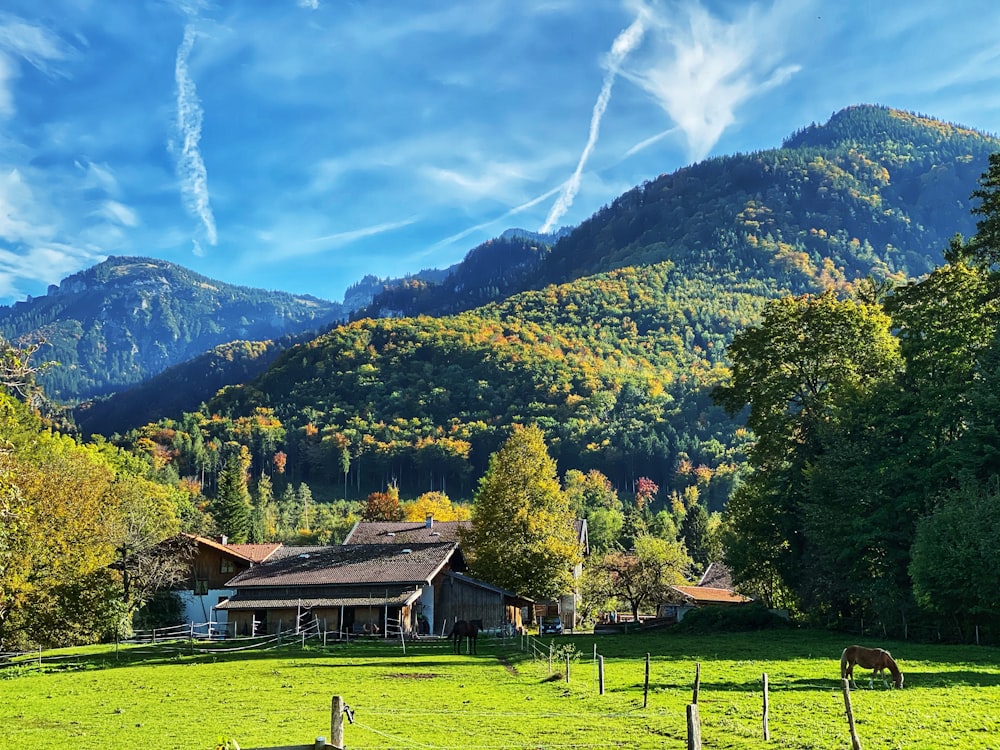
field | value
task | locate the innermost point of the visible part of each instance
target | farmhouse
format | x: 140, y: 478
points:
x: 409, y: 532
x: 360, y: 588
x: 213, y: 564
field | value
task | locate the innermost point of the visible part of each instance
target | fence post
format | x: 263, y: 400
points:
x: 600, y: 675
x: 337, y: 722
x: 550, y: 658
x: 767, y: 731
x: 645, y: 684
x: 567, y: 667
x: 697, y: 683
x: 694, y: 727
x: 846, y: 687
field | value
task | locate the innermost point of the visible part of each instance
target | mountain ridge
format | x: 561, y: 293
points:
x: 786, y: 220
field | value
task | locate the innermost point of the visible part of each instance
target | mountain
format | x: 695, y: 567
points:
x: 180, y: 388
x: 612, y: 337
x: 127, y: 319
x: 615, y: 335
x: 872, y: 191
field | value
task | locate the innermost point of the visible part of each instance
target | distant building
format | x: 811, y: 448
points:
x: 714, y: 589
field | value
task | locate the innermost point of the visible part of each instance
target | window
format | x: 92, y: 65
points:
x: 200, y: 586
x: 228, y: 566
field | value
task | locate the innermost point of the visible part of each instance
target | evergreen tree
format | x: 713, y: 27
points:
x: 522, y: 534
x: 231, y: 508
x: 304, y: 497
x: 694, y: 531
x: 262, y: 525
x: 288, y: 511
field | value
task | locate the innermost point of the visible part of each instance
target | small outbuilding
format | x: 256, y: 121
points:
x: 714, y: 589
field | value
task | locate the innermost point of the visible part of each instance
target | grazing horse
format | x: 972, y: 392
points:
x: 876, y: 659
x: 468, y: 629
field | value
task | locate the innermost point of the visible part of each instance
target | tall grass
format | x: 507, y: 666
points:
x: 502, y: 698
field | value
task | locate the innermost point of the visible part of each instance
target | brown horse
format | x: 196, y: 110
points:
x: 468, y: 629
x: 876, y: 659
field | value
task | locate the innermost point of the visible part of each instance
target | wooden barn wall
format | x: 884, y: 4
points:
x: 455, y: 600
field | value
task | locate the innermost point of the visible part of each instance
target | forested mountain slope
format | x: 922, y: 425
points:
x: 872, y: 191
x: 617, y: 356
x: 127, y: 319
x: 180, y: 388
x: 614, y: 367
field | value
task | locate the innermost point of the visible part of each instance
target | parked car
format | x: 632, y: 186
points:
x: 550, y: 624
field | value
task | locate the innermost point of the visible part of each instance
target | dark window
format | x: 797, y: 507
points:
x: 227, y: 566
x: 200, y: 586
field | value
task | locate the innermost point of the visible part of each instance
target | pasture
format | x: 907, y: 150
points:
x: 502, y: 697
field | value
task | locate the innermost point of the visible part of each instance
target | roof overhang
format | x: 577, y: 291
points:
x: 252, y: 601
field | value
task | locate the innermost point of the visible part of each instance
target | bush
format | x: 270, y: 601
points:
x: 163, y: 610
x: 730, y: 619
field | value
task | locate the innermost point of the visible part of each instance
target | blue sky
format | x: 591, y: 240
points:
x: 301, y: 144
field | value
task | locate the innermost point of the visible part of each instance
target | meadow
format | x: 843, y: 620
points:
x: 502, y: 697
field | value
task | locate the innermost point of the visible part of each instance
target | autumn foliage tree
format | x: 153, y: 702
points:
x: 383, y: 506
x: 522, y: 534
x: 435, y: 504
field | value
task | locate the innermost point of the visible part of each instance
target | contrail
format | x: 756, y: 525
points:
x: 190, y: 166
x: 624, y: 43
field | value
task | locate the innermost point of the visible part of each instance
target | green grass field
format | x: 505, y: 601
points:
x: 502, y: 698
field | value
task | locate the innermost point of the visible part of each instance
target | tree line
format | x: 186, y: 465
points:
x: 872, y: 489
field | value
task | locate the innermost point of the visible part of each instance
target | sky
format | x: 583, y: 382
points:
x: 299, y: 145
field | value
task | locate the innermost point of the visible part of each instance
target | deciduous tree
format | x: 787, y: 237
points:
x: 641, y: 578
x: 522, y: 534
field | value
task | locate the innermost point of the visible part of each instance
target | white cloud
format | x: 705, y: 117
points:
x: 17, y: 223
x: 624, y: 43
x: 118, y: 213
x: 190, y: 166
x: 700, y: 68
x: 48, y: 263
x: 309, y: 4
x: 33, y: 44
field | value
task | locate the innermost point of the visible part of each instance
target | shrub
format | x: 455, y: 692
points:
x: 730, y: 619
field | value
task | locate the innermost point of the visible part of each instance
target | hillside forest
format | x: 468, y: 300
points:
x: 775, y: 372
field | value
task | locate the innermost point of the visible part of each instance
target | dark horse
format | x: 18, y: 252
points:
x: 468, y: 629
x: 876, y: 659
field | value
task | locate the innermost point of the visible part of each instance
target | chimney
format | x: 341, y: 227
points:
x: 224, y: 540
x: 429, y: 521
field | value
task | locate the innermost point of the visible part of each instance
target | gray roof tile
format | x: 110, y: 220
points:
x: 357, y: 564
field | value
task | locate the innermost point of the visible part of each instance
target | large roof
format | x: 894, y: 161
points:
x: 412, y: 532
x: 356, y: 564
x: 404, y: 532
x: 709, y: 595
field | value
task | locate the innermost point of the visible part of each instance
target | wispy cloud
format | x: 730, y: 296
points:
x: 452, y: 239
x: 118, y: 213
x: 33, y: 44
x: 700, y: 68
x: 342, y: 238
x: 309, y: 4
x: 30, y: 252
x: 190, y: 166
x: 624, y: 43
